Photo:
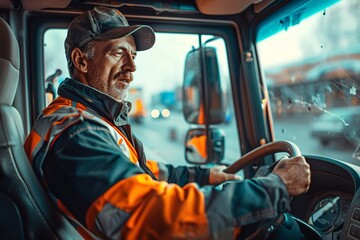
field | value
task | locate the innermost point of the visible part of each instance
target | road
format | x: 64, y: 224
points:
x: 164, y: 139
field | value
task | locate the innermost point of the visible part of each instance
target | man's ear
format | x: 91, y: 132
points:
x: 79, y: 60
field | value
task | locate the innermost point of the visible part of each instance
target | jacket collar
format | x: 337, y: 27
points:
x: 106, y: 106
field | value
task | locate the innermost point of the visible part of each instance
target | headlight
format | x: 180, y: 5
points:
x: 155, y: 113
x: 165, y: 113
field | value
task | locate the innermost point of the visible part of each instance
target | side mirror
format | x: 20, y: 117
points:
x: 204, y: 99
x: 198, y: 150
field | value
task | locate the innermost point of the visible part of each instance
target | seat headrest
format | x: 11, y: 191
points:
x: 9, y: 63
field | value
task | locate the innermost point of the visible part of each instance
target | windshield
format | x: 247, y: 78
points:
x: 312, y: 72
x: 156, y: 116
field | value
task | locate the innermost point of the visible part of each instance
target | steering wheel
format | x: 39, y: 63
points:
x: 254, y: 155
x: 263, y: 151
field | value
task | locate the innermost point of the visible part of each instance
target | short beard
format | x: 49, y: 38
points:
x: 124, y: 93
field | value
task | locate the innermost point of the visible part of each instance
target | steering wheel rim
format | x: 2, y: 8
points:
x: 273, y: 147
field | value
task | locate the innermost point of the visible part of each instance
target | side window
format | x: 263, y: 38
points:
x: 156, y: 93
x: 54, y: 62
x: 312, y: 72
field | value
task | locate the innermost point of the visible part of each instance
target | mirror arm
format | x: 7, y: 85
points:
x: 206, y: 96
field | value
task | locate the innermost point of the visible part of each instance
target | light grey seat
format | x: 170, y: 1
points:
x: 26, y: 210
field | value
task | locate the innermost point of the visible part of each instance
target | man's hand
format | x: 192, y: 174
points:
x: 295, y: 173
x: 217, y: 175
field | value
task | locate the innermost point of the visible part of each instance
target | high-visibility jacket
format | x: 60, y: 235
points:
x: 82, y: 149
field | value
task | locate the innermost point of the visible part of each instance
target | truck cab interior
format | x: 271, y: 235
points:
x: 259, y: 79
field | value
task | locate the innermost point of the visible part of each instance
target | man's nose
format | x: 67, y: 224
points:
x: 128, y: 63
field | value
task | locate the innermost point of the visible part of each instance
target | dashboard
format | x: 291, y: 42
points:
x: 331, y: 207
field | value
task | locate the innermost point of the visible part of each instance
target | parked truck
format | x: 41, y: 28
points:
x: 138, y: 110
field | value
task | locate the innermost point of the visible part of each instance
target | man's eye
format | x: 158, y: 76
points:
x: 119, y: 53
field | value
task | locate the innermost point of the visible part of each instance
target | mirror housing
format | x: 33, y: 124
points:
x: 200, y: 151
x: 203, y: 93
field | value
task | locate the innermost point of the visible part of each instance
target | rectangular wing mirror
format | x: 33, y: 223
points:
x: 198, y: 150
x: 204, y: 97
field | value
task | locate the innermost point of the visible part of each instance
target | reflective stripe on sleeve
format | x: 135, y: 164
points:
x: 154, y: 168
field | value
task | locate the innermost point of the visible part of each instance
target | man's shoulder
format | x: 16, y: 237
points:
x: 65, y: 116
x: 86, y: 127
x: 59, y: 105
x: 84, y: 133
x: 63, y: 113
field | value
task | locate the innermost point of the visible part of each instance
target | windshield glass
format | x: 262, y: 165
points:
x: 312, y: 72
x: 156, y: 116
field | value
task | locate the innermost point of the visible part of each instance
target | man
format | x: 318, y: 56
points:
x: 83, y: 150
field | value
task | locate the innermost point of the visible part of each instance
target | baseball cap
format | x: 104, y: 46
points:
x: 102, y: 23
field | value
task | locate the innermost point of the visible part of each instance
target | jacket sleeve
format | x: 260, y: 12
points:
x: 180, y: 175
x: 115, y: 199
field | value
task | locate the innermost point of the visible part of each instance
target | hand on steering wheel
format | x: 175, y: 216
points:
x: 293, y: 171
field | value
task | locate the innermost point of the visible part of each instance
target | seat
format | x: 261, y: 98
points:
x: 26, y: 210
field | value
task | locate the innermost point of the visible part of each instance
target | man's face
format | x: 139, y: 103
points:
x: 111, y: 68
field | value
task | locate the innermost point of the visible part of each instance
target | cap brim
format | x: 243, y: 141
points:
x: 144, y: 35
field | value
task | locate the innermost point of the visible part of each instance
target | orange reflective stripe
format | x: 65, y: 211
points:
x: 80, y: 106
x: 30, y: 143
x: 154, y: 167
x: 133, y: 157
x: 55, y: 105
x: 133, y: 154
x: 158, y: 210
